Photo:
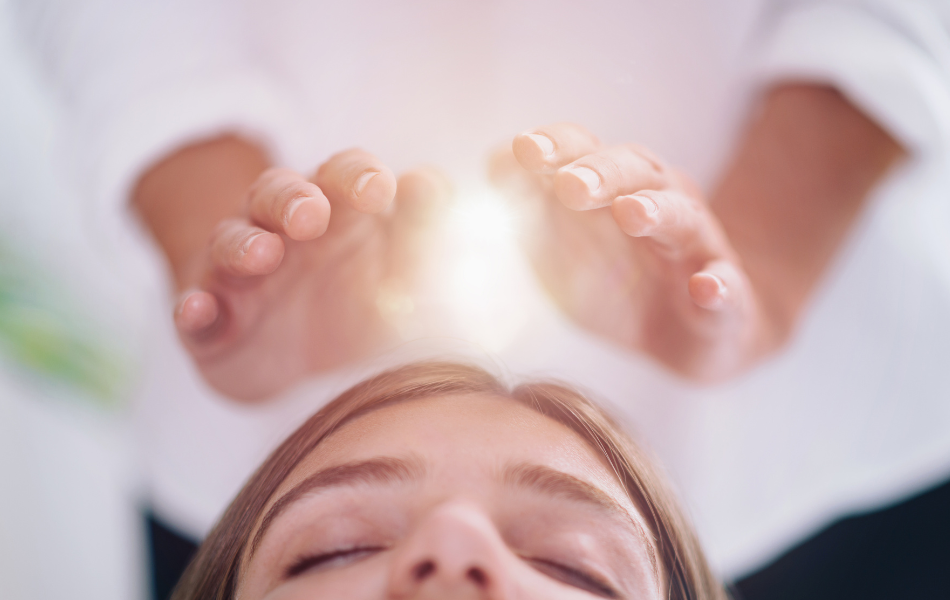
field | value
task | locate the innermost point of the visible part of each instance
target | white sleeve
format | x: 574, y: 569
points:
x: 137, y: 79
x: 890, y: 57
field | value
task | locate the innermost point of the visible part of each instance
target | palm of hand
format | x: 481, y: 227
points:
x: 629, y: 250
x: 274, y: 309
x: 315, y: 312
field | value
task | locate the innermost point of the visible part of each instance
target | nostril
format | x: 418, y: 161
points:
x: 423, y: 570
x: 477, y: 576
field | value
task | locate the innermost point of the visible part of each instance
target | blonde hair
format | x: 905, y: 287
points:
x: 213, y: 573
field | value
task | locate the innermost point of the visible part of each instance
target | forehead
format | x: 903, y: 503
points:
x: 468, y: 446
x: 461, y: 439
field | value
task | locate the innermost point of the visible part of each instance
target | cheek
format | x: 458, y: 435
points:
x: 366, y: 580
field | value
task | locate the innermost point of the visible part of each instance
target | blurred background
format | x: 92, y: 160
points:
x: 69, y: 524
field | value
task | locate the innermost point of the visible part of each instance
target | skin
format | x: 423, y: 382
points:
x: 707, y: 288
x: 280, y: 276
x: 630, y: 248
x: 454, y: 527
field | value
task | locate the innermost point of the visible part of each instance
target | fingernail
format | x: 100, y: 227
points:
x: 364, y: 180
x: 180, y: 306
x: 292, y: 208
x: 590, y: 177
x: 703, y: 296
x: 648, y: 204
x: 543, y: 142
x: 250, y: 239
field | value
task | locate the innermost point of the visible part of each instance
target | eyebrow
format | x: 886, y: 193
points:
x: 550, y: 482
x: 385, y: 471
x: 388, y: 471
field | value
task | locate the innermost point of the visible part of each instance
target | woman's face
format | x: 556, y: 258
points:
x: 443, y: 498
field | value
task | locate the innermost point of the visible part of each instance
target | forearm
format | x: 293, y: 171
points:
x: 183, y: 198
x: 799, y: 180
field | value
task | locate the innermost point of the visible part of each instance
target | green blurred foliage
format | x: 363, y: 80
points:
x: 44, y: 331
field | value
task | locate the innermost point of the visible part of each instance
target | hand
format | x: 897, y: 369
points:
x: 292, y: 287
x: 628, y: 247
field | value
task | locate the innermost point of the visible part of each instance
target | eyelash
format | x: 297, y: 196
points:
x: 306, y: 563
x: 565, y: 574
x: 573, y: 577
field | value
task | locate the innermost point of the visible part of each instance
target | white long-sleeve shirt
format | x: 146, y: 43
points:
x: 855, y: 412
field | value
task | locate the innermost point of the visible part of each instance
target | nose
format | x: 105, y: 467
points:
x: 455, y: 553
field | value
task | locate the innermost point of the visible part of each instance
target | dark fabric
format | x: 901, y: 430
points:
x: 170, y: 552
x: 899, y: 552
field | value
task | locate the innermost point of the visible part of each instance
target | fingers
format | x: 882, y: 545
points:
x: 720, y: 286
x: 546, y: 149
x: 282, y: 201
x: 359, y: 179
x: 594, y: 180
x: 681, y: 225
x: 420, y: 193
x: 587, y: 175
x: 243, y: 250
x: 196, y: 313
x: 520, y: 185
x: 421, y: 196
x: 686, y: 231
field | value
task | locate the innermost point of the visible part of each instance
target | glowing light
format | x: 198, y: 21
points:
x: 483, y: 283
x: 486, y: 218
x: 475, y: 285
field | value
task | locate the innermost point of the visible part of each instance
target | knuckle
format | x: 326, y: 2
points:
x: 279, y: 173
x: 347, y: 158
x: 269, y: 177
x: 608, y: 168
x: 290, y: 190
x: 226, y: 228
x: 646, y: 155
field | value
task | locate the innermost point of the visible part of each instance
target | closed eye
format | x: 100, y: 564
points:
x: 329, y: 560
x: 573, y: 577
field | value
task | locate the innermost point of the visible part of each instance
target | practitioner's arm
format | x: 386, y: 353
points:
x: 797, y: 183
x: 273, y: 286
x: 706, y: 288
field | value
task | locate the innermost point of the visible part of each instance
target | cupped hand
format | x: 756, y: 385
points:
x: 293, y: 287
x: 628, y: 247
